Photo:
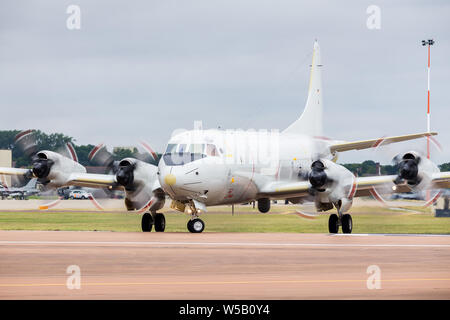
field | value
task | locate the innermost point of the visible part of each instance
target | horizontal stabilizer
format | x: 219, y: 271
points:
x: 366, y: 144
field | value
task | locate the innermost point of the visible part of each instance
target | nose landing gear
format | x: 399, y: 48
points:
x: 196, y: 225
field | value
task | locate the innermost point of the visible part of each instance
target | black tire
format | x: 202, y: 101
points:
x: 347, y: 223
x: 196, y: 225
x: 264, y: 205
x: 160, y: 222
x: 147, y: 222
x: 333, y: 223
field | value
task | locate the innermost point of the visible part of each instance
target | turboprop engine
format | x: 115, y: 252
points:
x: 141, y: 184
x: 53, y: 169
x: 331, y: 185
x: 415, y: 170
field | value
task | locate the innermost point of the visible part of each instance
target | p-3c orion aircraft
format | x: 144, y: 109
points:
x: 202, y: 168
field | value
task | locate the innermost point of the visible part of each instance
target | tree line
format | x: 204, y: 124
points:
x: 57, y: 142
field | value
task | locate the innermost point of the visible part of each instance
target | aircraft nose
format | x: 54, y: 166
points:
x: 170, y: 179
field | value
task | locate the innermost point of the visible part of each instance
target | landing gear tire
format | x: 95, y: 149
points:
x: 333, y: 224
x: 347, y: 223
x: 160, y: 222
x: 196, y: 225
x: 264, y: 205
x: 147, y: 222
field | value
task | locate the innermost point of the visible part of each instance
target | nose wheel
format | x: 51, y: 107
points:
x: 196, y: 225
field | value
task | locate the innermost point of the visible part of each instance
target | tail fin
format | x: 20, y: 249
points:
x: 31, y: 184
x: 310, y: 122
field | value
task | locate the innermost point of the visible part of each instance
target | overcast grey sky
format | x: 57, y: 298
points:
x: 140, y: 69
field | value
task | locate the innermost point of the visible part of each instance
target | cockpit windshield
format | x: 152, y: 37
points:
x: 180, y: 154
x: 211, y: 150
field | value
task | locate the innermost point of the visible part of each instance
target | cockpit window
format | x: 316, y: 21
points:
x: 196, y: 148
x: 181, y: 158
x: 171, y: 147
x: 180, y: 154
x: 211, y: 150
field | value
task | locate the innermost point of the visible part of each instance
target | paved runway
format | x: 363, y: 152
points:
x: 114, y: 265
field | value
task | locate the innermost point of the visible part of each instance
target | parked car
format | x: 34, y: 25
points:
x: 408, y: 196
x: 78, y: 194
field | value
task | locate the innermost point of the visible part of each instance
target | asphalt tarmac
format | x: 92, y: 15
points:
x: 33, y: 265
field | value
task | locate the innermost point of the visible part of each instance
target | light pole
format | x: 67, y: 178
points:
x: 428, y: 43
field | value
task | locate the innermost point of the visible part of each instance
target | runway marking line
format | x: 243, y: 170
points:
x: 261, y: 244
x: 208, y: 282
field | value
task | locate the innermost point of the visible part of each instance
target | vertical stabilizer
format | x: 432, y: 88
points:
x: 31, y: 184
x: 310, y: 122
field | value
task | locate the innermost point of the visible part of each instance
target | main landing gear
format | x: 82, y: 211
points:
x: 155, y: 218
x: 344, y: 220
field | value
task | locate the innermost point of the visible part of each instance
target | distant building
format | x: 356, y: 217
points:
x: 6, y: 161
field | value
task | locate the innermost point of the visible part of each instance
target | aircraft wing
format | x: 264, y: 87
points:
x: 92, y: 180
x: 14, y: 171
x: 79, y: 179
x: 364, y: 186
x: 366, y: 144
x: 441, y: 180
x: 279, y: 189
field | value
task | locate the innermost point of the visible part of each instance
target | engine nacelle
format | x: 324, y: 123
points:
x: 53, y: 169
x: 332, y: 185
x: 415, y: 170
x: 141, y: 183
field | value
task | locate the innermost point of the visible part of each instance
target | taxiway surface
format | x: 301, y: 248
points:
x: 114, y: 265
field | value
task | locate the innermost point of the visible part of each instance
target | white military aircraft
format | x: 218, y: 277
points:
x: 202, y: 168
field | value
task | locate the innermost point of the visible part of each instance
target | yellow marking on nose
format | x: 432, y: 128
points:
x: 170, y: 179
